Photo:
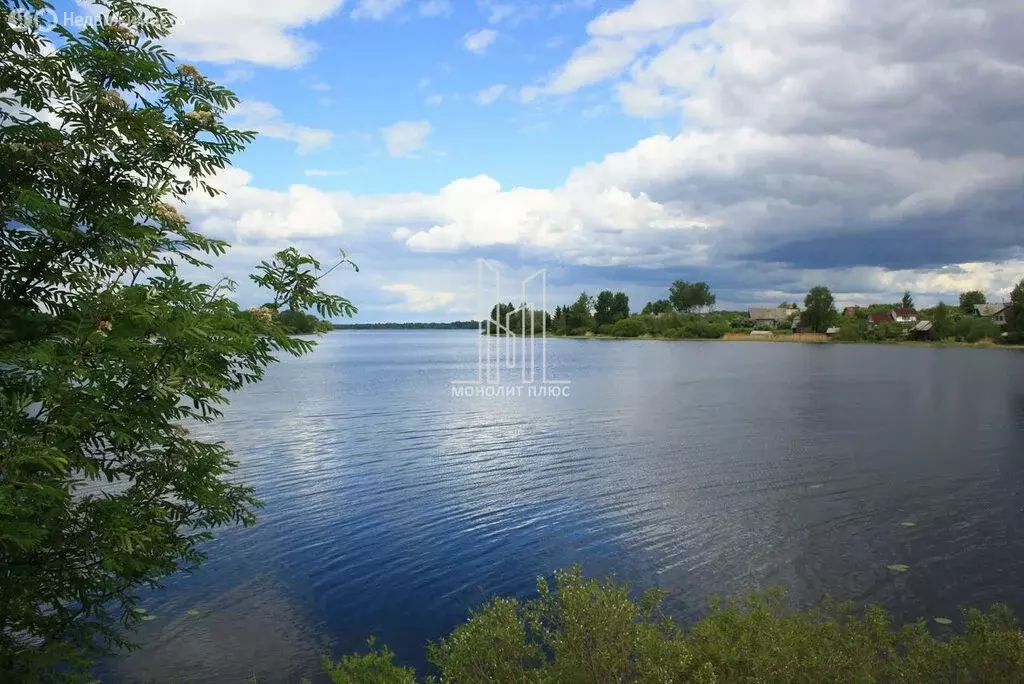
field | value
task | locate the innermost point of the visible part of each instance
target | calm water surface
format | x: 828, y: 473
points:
x: 392, y: 507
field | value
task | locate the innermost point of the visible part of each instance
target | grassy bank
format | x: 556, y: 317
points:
x: 581, y: 631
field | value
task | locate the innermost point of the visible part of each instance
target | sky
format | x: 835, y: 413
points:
x: 762, y: 146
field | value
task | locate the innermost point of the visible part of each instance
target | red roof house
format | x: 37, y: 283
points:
x: 880, y: 319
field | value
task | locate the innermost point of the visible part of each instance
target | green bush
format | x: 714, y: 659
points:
x: 977, y: 329
x: 702, y: 330
x: 629, y: 327
x: 583, y: 631
x: 852, y: 330
x: 887, y: 332
x: 375, y: 667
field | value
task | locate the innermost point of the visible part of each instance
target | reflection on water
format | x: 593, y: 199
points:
x: 393, y: 507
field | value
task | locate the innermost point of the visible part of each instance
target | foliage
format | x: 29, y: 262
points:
x: 106, y: 350
x: 661, y: 306
x: 375, y: 667
x: 629, y: 327
x: 968, y: 300
x: 511, y: 319
x: 886, y: 332
x: 580, y: 314
x: 620, y: 305
x: 972, y: 330
x: 687, y: 297
x: 907, y: 302
x: 1015, y: 319
x: 819, y: 310
x: 301, y: 323
x: 610, y: 307
x: 582, y: 631
x: 852, y: 329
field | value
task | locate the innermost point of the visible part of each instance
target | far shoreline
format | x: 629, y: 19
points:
x: 805, y: 338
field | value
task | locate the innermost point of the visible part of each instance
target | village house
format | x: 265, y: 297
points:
x: 880, y: 319
x: 773, y: 317
x: 922, y: 331
x: 996, y: 312
x: 904, y: 316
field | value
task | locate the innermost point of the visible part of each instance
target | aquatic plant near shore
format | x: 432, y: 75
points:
x: 582, y: 631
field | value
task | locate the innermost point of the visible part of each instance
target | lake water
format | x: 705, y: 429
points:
x: 392, y: 507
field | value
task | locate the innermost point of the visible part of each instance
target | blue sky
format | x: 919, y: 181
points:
x: 763, y: 147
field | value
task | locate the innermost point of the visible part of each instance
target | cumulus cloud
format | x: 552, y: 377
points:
x: 478, y: 41
x: 234, y: 31
x: 490, y: 95
x: 435, y: 8
x: 867, y: 146
x: 376, y: 9
x: 418, y: 299
x: 406, y: 138
x: 323, y: 173
x: 268, y: 120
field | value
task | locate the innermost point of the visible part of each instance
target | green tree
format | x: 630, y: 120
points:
x: 579, y: 316
x: 661, y: 306
x: 943, y: 321
x: 301, y: 323
x: 687, y: 297
x: 968, y: 300
x: 852, y: 329
x: 604, y: 308
x: 1015, y: 319
x: 907, y: 302
x: 620, y: 306
x: 106, y: 349
x: 819, y: 310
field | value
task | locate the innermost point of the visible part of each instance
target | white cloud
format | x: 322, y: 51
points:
x: 868, y: 146
x: 419, y: 299
x: 498, y: 12
x: 478, y: 41
x: 229, y: 31
x: 324, y: 173
x: 237, y: 75
x: 490, y: 95
x: 406, y: 138
x: 245, y: 212
x: 268, y: 120
x: 376, y: 9
x: 434, y: 100
x: 435, y: 8
x: 319, y: 85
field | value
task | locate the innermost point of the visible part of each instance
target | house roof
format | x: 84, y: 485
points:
x: 881, y: 318
x: 770, y: 314
x: 923, y: 326
x: 832, y: 331
x: 904, y: 313
x: 988, y: 310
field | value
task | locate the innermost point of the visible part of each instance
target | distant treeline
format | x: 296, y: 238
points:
x: 454, y: 325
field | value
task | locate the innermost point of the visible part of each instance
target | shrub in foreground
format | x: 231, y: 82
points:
x: 583, y: 631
